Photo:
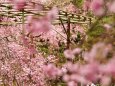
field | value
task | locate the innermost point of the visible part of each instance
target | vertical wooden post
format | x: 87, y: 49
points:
x: 68, y: 33
x: 23, y: 22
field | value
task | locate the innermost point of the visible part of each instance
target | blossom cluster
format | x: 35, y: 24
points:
x: 94, y: 69
x: 22, y: 63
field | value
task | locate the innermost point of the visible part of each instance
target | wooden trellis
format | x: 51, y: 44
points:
x: 7, y: 11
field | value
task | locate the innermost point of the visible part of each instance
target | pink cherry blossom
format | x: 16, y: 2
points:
x: 19, y: 4
x: 107, y: 26
x: 53, y: 14
x: 42, y: 25
x: 38, y: 26
x: 66, y: 78
x: 76, y: 51
x: 51, y: 71
x: 69, y: 54
x: 105, y: 81
x: 71, y: 83
x: 86, y: 5
x: 112, y: 7
x: 32, y: 49
x: 97, y: 7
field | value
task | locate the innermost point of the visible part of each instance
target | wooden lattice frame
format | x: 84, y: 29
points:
x: 7, y: 11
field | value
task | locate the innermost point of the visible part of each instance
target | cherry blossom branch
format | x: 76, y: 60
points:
x: 63, y: 25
